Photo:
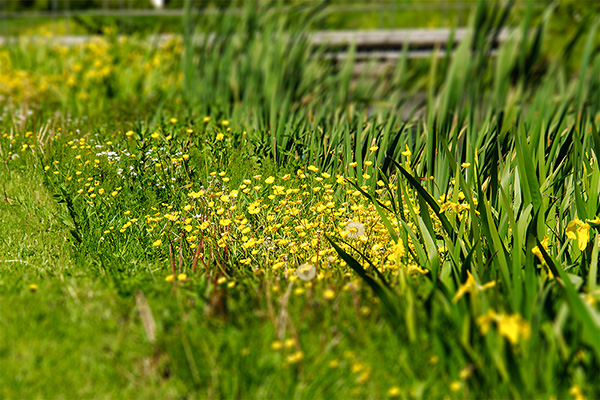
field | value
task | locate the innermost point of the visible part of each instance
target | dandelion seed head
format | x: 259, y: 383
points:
x: 355, y: 230
x: 306, y: 272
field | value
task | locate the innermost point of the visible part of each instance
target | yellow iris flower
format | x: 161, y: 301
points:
x: 580, y: 231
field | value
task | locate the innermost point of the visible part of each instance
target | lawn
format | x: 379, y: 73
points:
x: 241, y: 218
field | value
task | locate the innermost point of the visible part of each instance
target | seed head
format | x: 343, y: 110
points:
x: 306, y: 272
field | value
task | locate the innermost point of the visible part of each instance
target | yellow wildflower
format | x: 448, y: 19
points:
x: 513, y: 327
x: 576, y: 392
x: 470, y: 286
x: 295, y: 357
x: 538, y: 253
x: 455, y: 386
x: 329, y: 294
x: 580, y: 231
x: 594, y: 222
x: 276, y: 345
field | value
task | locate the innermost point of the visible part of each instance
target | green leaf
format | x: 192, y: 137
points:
x: 591, y: 328
x: 429, y: 200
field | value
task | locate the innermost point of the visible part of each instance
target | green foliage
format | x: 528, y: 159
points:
x: 476, y: 274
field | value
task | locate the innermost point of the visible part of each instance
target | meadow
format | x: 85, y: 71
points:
x: 238, y: 217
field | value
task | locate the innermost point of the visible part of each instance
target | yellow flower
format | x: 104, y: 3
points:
x: 276, y: 345
x: 33, y: 287
x: 129, y: 133
x: 413, y: 269
x: 329, y: 294
x: 576, y: 392
x: 466, y: 372
x: 173, y: 120
x: 398, y: 252
x: 181, y: 277
x: 313, y: 168
x: 513, y: 327
x: 595, y: 221
x: 220, y: 136
x: 295, y: 357
x: 538, y: 253
x: 169, y: 278
x: 580, y: 231
x: 407, y: 152
x: 269, y: 180
x: 455, y: 386
x: 157, y: 243
x: 470, y: 286
x: 394, y: 391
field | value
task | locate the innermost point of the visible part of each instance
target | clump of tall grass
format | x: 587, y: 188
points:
x: 500, y: 201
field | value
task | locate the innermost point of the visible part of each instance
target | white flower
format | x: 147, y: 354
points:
x: 306, y: 272
x: 355, y: 230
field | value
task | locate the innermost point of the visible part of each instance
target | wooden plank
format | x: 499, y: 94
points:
x: 379, y: 39
x: 383, y: 38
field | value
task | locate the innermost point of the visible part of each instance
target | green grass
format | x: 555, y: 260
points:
x: 234, y: 162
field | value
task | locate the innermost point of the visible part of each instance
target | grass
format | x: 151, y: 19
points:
x: 239, y: 218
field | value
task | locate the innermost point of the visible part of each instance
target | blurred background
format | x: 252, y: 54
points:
x: 231, y: 56
x: 152, y: 16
